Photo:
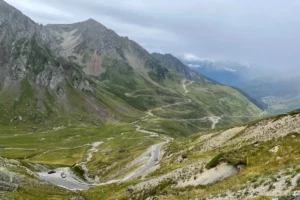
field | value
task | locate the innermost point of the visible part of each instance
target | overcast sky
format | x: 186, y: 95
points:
x: 264, y: 33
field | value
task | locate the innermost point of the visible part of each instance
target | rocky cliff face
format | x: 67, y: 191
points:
x: 87, y: 44
x: 23, y: 49
x: 14, y: 26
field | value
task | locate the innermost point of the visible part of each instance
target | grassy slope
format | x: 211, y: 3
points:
x: 64, y: 147
x: 135, y: 89
x: 207, y: 100
x: 174, y: 128
x: 261, y: 164
x: 214, y: 100
x: 40, y: 191
x: 262, y: 168
x: 39, y: 106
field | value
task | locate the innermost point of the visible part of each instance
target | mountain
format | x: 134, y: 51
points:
x: 189, y: 73
x: 178, y: 66
x: 250, y: 98
x: 84, y: 72
x: 83, y: 60
x: 50, y: 70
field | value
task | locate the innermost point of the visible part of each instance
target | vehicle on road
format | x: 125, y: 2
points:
x: 63, y: 175
x: 51, y: 172
x: 156, y: 159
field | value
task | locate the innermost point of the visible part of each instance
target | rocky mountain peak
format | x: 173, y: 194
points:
x: 14, y: 26
x: 92, y: 22
x: 12, y: 18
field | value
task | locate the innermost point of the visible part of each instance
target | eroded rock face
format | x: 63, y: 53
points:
x: 21, y: 41
x: 56, y: 78
x: 13, y: 27
x: 211, y: 176
x: 16, y: 70
x: 83, y: 85
x: 13, y: 175
x: 50, y: 77
x: 8, y: 180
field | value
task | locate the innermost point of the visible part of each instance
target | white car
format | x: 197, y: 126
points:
x: 63, y: 175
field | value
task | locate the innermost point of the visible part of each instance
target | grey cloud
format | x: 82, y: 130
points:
x: 266, y: 33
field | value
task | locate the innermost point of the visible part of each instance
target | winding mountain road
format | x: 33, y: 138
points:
x: 70, y: 182
x: 184, y: 85
x: 149, y: 113
x: 214, y: 119
x: 153, y: 156
x: 146, y: 161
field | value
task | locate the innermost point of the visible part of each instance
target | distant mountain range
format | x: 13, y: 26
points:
x: 225, y: 72
x: 274, y: 94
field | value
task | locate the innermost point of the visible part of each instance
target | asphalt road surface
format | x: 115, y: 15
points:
x: 154, y: 159
x: 70, y: 182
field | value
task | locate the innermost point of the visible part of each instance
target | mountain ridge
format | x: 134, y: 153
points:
x: 179, y: 66
x: 86, y: 68
x: 173, y: 62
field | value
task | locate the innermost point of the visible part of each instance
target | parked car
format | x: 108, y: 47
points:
x: 51, y: 172
x: 63, y: 175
